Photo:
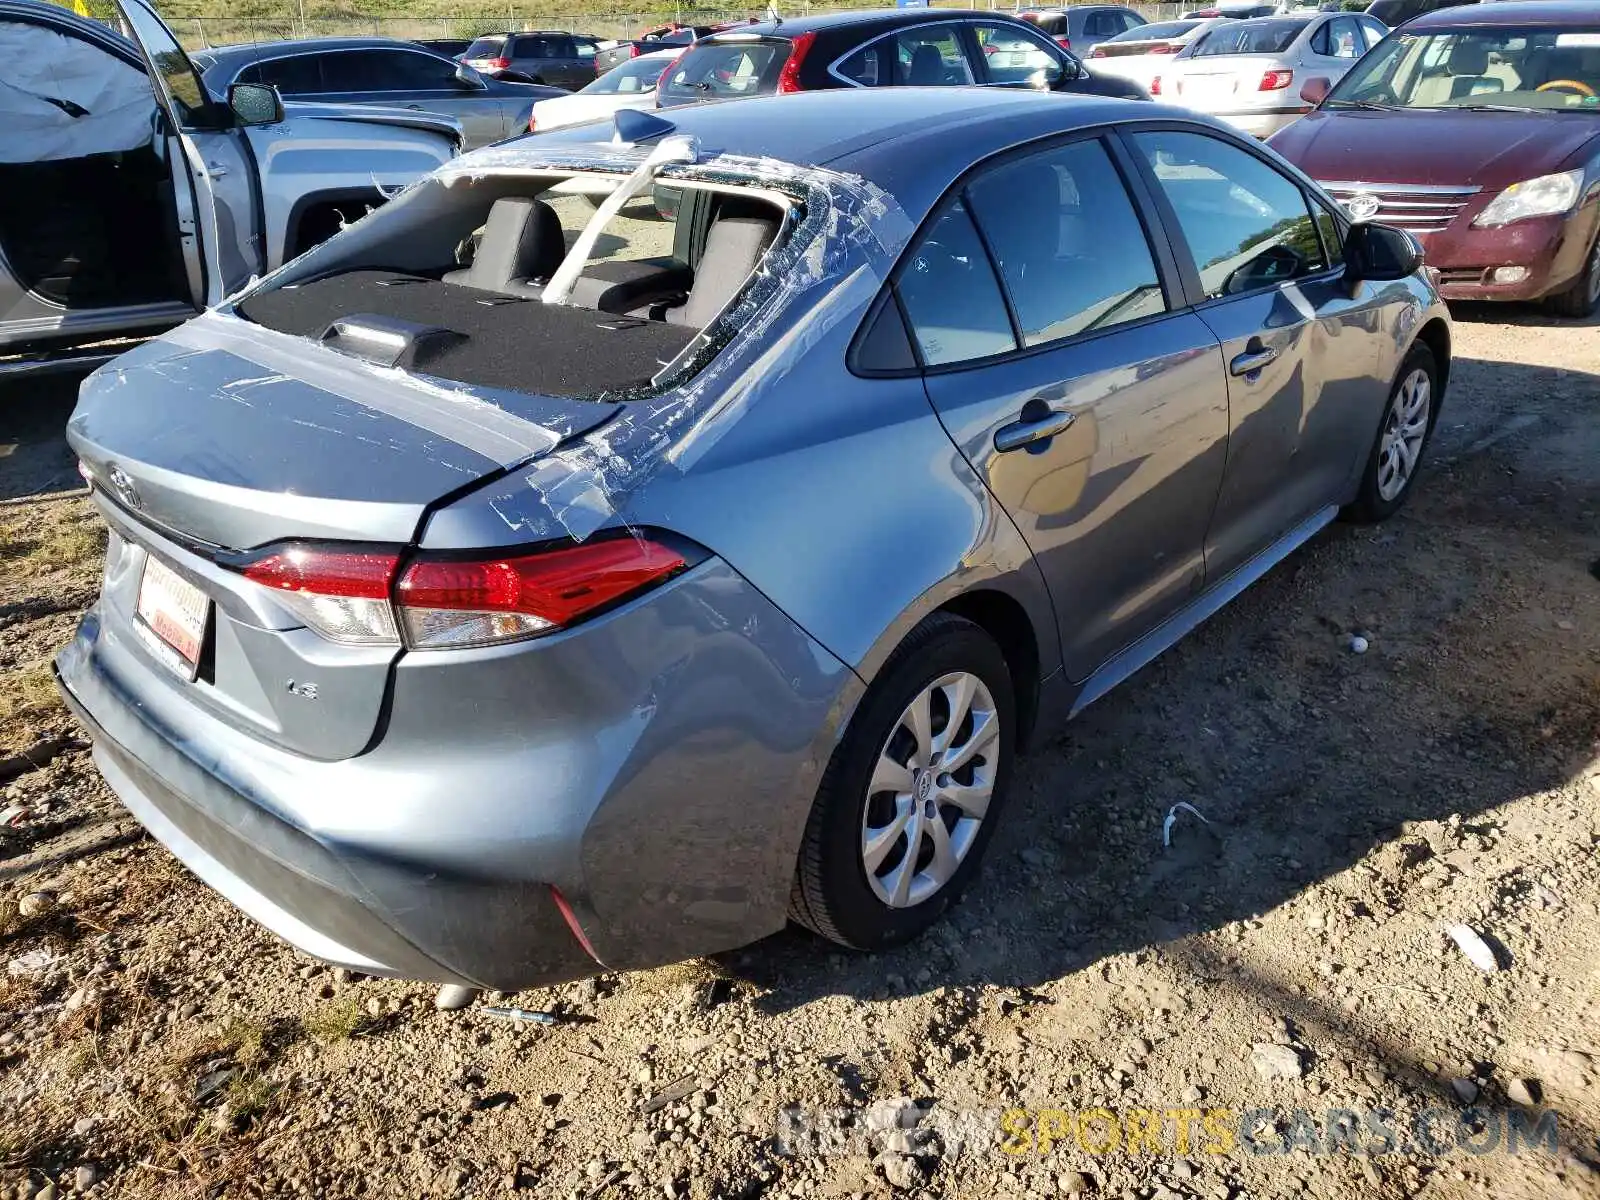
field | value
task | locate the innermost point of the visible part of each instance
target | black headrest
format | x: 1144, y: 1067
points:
x: 1469, y: 57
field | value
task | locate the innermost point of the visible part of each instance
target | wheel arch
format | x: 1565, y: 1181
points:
x: 1004, y: 619
x: 1435, y: 334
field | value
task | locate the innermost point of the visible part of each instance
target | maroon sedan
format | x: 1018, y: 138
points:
x: 1477, y: 129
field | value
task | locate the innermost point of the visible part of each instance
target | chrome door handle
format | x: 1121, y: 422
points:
x: 414, y: 107
x: 216, y: 170
x: 1252, y: 361
x: 1032, y: 429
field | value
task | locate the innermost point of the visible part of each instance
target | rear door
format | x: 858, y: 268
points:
x: 1058, y: 354
x: 1263, y: 266
x: 217, y: 191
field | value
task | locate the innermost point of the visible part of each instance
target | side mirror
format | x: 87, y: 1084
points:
x: 255, y: 103
x: 1380, y: 253
x: 469, y: 80
x: 1316, y: 90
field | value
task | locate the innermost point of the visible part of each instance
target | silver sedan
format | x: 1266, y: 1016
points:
x: 1250, y: 73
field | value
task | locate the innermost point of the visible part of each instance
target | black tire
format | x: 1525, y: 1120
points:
x: 1370, y: 505
x: 832, y: 896
x: 1580, y: 299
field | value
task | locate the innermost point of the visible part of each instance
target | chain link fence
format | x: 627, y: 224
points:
x: 198, y: 32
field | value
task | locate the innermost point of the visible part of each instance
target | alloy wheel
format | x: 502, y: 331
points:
x: 1404, y: 429
x: 930, y: 789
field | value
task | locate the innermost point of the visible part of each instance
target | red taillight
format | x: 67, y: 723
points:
x: 1273, y: 81
x: 453, y: 602
x: 635, y: 50
x: 1155, y: 86
x: 1064, y: 42
x: 533, y: 122
x: 1165, y: 48
x: 359, y: 574
x: 342, y: 594
x: 789, y: 77
x: 497, y: 64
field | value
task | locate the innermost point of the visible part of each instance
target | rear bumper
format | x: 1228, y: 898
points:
x: 670, y: 829
x: 1551, y: 249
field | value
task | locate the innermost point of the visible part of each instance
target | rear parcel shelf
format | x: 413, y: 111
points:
x: 445, y: 330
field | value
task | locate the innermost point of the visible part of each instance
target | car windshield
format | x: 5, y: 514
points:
x: 1164, y: 31
x: 726, y: 70
x: 1253, y: 37
x: 634, y: 76
x: 485, y: 47
x: 1535, y: 67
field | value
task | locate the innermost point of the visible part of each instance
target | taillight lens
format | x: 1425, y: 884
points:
x: 1273, y: 81
x: 351, y: 595
x: 533, y: 122
x: 789, y: 77
x: 453, y: 602
x: 1155, y: 86
x: 1165, y: 48
x: 499, y: 64
x: 1064, y: 42
x: 341, y: 593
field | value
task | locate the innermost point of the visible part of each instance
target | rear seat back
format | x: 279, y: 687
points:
x: 734, y: 245
x: 522, y: 246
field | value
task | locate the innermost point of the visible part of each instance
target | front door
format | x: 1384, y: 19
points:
x: 218, y: 194
x: 1043, y: 310
x: 1267, y: 278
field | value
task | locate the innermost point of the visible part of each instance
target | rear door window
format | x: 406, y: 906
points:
x: 300, y: 75
x: 1346, y: 38
x: 950, y: 295
x: 861, y: 68
x: 1070, y: 247
x: 1247, y: 225
x: 931, y: 56
x: 727, y: 70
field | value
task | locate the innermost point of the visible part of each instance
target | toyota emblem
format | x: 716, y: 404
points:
x: 123, y: 486
x: 1363, y: 206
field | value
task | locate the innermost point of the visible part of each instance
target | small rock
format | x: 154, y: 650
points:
x: 595, y: 1168
x: 1184, y: 1169
x: 1358, y: 644
x: 901, y: 1171
x: 1524, y: 1091
x: 47, y: 1192
x: 35, y: 903
x: 85, y: 1176
x: 585, y: 991
x: 84, y: 1126
x: 1272, y: 1061
x: 1193, y: 1095
x: 453, y: 996
x: 346, y: 975
x: 1565, y: 625
x: 1074, y: 1183
x: 189, y: 1009
x: 78, y: 999
x: 375, y: 1006
x: 1466, y: 1091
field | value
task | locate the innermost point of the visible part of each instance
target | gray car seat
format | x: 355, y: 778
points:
x: 734, y: 245
x: 927, y: 67
x: 521, y: 248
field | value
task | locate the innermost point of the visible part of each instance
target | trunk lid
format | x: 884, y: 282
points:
x: 221, y: 437
x: 1223, y: 80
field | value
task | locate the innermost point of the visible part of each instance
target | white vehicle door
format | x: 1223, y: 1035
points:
x: 217, y: 195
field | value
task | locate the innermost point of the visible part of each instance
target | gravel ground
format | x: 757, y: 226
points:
x: 1221, y: 1000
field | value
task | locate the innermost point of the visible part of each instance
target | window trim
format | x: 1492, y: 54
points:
x: 1188, y: 270
x: 1157, y: 236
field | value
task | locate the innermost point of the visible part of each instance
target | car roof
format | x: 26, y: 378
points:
x: 1555, y: 13
x: 913, y: 142
x: 887, y: 18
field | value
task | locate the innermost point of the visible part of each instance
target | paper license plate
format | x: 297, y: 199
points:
x: 1208, y: 87
x: 175, y: 611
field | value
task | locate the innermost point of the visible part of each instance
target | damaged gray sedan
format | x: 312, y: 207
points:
x: 630, y: 539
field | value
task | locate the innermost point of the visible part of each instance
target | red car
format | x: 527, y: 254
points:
x: 1478, y: 130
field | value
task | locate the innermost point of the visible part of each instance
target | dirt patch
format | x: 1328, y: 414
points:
x: 1281, y: 963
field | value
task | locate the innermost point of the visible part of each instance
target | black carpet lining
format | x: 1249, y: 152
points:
x: 523, y: 345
